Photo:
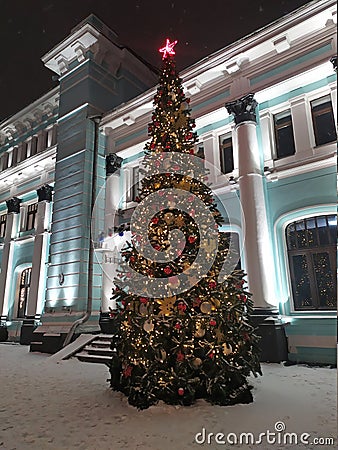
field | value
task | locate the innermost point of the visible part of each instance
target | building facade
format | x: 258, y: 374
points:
x: 265, y: 110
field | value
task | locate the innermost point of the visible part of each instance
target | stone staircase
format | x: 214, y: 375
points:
x: 97, y: 350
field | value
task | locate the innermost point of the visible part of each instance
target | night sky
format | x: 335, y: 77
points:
x: 30, y: 28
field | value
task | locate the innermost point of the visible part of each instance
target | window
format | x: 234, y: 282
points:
x: 285, y: 143
x: 4, y: 161
x: 25, y: 281
x: 323, y: 121
x: 3, y: 220
x: 311, y: 245
x: 134, y: 185
x: 31, y: 216
x: 34, y: 144
x: 50, y: 135
x: 226, y: 153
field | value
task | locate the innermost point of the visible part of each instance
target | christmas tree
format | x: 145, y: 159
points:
x: 183, y: 316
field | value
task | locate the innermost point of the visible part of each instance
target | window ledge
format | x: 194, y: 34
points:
x: 318, y: 315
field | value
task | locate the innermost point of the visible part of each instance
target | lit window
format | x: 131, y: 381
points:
x: 311, y: 247
x: 226, y: 153
x: 25, y: 281
x: 323, y: 120
x: 285, y: 143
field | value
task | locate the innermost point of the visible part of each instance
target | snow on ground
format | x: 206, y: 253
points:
x: 66, y: 406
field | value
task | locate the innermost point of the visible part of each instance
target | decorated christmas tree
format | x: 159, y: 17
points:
x: 183, y: 310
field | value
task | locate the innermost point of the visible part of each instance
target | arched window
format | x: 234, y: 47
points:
x: 311, y: 245
x: 25, y: 281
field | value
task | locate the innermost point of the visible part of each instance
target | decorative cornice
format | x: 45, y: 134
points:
x: 30, y: 117
x: 74, y: 47
x: 113, y: 163
x: 243, y: 109
x: 13, y: 205
x: 45, y: 193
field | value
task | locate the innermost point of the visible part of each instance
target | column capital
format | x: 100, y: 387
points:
x: 243, y: 109
x: 113, y: 163
x: 45, y: 193
x: 13, y: 205
x: 333, y: 60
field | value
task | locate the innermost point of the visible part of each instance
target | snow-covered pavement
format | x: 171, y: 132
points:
x: 66, y: 406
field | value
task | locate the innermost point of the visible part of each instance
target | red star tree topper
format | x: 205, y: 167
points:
x: 168, y: 49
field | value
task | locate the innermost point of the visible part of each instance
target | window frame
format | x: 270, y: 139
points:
x: 3, y: 224
x: 276, y: 128
x: 130, y: 190
x: 315, y: 114
x: 31, y: 210
x: 226, y: 137
x: 24, y: 287
x: 308, y: 252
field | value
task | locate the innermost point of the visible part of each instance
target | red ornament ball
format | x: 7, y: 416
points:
x: 177, y: 326
x: 180, y: 356
x: 127, y: 371
x: 192, y: 239
x: 180, y: 391
x: 213, y: 322
x: 143, y: 300
x: 212, y: 284
x: 167, y: 270
x: 182, y: 306
x: 155, y: 220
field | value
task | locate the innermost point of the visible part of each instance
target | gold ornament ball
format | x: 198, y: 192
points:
x: 205, y: 308
x: 200, y: 332
x: 148, y: 326
x: 196, y: 362
x: 227, y: 349
x: 169, y: 217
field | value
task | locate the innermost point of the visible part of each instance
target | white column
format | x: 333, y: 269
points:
x: 112, y: 200
x: 37, y: 288
x: 6, y: 275
x: 257, y: 242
